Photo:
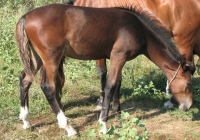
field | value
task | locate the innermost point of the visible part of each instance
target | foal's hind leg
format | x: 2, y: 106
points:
x: 25, y: 83
x: 60, y: 80
x: 49, y: 87
x: 102, y: 71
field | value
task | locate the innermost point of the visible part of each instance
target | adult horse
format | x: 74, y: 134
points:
x: 179, y: 16
x: 47, y: 34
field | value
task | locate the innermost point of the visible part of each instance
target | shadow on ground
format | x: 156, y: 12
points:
x: 130, y: 105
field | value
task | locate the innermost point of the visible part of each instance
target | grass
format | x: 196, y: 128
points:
x: 81, y: 91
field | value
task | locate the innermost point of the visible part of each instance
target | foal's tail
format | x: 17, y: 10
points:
x: 23, y: 44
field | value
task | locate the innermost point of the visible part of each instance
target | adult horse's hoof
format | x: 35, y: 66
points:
x: 168, y: 105
x: 99, y: 104
x: 98, y: 108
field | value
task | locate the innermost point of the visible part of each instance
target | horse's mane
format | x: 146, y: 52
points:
x: 160, y: 32
x: 70, y: 2
x: 152, y: 24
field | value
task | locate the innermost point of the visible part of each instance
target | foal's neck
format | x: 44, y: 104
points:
x: 159, y: 55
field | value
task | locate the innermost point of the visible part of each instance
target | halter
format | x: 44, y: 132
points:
x: 168, y: 83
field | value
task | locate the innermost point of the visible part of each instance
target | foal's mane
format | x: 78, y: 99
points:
x: 70, y: 2
x: 152, y: 24
x: 164, y: 36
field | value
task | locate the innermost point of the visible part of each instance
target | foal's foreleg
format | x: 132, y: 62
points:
x: 116, y: 104
x: 48, y: 85
x: 102, y: 71
x: 25, y: 83
x: 111, y: 84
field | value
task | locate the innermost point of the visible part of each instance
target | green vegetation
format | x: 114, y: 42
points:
x: 128, y: 131
x: 142, y: 94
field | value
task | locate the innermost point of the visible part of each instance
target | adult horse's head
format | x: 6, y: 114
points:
x: 180, y: 84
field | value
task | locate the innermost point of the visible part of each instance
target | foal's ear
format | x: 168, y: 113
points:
x: 183, y: 61
x: 190, y: 66
x: 187, y: 65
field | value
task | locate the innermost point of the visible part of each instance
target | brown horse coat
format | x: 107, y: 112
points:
x: 179, y: 16
x: 47, y: 34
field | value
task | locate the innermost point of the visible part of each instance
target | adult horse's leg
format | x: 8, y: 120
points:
x: 102, y: 71
x: 49, y: 87
x: 197, y: 51
x: 113, y: 78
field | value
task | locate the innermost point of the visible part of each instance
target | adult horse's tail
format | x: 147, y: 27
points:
x: 24, y: 46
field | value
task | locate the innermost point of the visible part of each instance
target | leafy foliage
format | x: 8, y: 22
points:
x: 130, y: 128
x: 150, y: 86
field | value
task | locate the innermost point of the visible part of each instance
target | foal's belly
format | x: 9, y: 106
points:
x: 85, y: 53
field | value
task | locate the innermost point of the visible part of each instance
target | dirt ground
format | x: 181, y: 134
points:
x: 161, y: 124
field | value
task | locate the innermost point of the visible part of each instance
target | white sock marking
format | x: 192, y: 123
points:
x: 24, y: 115
x: 104, y: 130
x: 64, y: 123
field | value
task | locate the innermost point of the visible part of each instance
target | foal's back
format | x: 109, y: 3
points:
x: 85, y: 33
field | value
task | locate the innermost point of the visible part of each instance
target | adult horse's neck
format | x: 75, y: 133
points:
x: 109, y: 3
x: 152, y: 7
x: 126, y: 4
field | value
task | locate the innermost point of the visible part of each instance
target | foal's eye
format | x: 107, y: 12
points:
x: 189, y: 83
x: 187, y: 87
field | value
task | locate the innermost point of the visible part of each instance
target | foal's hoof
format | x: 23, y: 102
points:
x: 71, y: 131
x: 74, y: 137
x: 104, y: 129
x: 27, y: 125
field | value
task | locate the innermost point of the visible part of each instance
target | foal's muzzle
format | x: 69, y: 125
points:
x: 185, y: 105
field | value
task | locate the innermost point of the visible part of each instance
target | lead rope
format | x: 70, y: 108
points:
x: 168, y: 83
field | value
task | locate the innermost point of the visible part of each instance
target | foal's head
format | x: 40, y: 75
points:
x: 181, y: 85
